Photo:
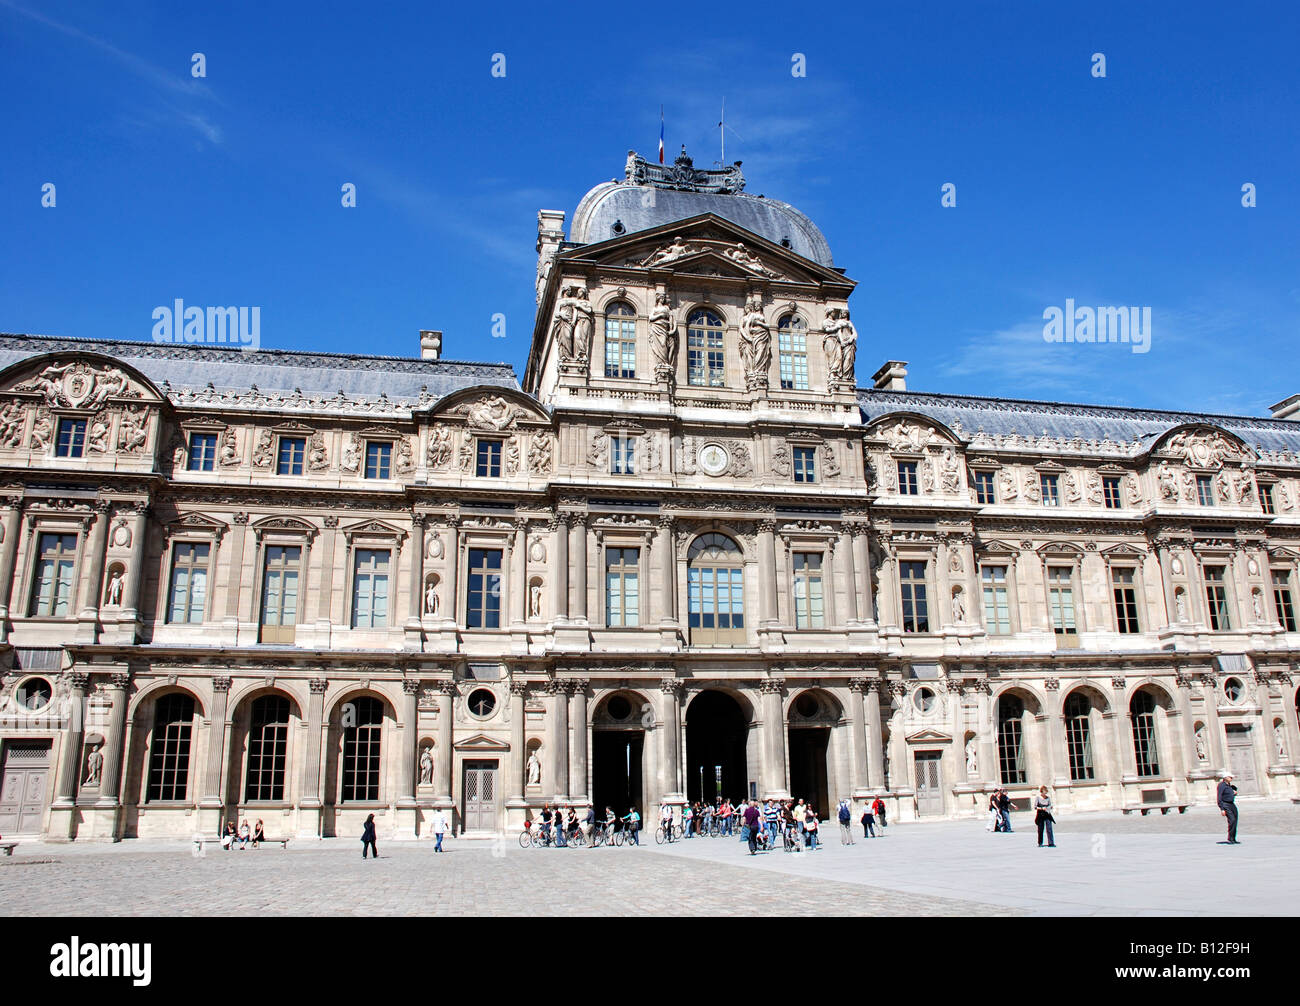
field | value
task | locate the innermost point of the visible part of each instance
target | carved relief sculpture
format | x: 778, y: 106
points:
x: 663, y: 338
x: 755, y: 344
x: 539, y: 454
x: 264, y: 452
x: 131, y: 432
x: 440, y: 448
x: 42, y: 430
x: 12, y: 420
x: 317, y: 458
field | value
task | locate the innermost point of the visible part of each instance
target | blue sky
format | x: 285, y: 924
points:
x: 226, y: 191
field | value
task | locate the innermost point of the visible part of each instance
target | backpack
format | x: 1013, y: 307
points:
x: 845, y: 817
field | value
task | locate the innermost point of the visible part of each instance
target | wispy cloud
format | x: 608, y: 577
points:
x: 173, y: 91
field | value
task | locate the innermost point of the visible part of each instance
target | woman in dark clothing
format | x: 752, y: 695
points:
x: 1043, y: 817
x: 368, y: 837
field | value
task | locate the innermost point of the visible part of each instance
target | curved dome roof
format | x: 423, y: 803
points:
x: 613, y: 209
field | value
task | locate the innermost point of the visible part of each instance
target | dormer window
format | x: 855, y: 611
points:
x: 489, y: 459
x: 792, y: 347
x: 705, y: 360
x: 620, y: 340
x: 72, y: 438
x: 292, y: 452
x: 379, y: 460
x: 203, y: 452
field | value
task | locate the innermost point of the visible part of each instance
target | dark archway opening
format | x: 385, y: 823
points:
x: 616, y: 771
x: 715, y: 748
x: 808, y: 778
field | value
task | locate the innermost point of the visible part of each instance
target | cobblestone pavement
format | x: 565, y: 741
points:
x: 1104, y: 864
x: 330, y: 878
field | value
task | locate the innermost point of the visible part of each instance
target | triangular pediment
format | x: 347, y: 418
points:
x: 199, y: 523
x: 481, y: 742
x: 929, y: 736
x: 373, y: 528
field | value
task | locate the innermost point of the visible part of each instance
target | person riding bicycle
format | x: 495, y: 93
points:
x: 666, y: 818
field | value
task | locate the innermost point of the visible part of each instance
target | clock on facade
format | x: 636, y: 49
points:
x: 714, y: 459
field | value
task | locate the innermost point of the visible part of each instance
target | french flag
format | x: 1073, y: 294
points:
x: 661, y: 134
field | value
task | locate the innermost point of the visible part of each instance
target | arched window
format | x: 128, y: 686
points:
x: 705, y: 362
x: 1142, y: 709
x: 1078, y: 736
x: 169, y: 752
x: 362, y: 732
x: 792, y: 347
x: 715, y: 590
x: 268, y: 738
x: 620, y: 340
x: 1011, y: 741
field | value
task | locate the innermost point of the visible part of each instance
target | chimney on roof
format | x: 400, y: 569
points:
x: 430, y: 344
x: 550, y: 235
x: 1287, y: 408
x: 891, y: 377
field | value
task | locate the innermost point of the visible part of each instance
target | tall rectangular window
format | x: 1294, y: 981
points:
x: 489, y: 459
x: 1050, y: 485
x: 620, y: 341
x: 916, y: 615
x: 71, y: 442
x: 280, y: 593
x: 621, y: 455
x: 268, y: 741
x: 56, y: 559
x: 1060, y: 599
x: 187, y: 599
x: 1078, y: 736
x: 379, y: 460
x: 705, y: 363
x: 809, y: 604
x: 792, y: 350
x: 997, y: 609
x: 292, y: 452
x: 203, y: 452
x: 1282, y: 599
x: 1216, y: 598
x: 362, y: 740
x: 169, y: 748
x: 984, y: 491
x: 805, y: 464
x: 1110, y: 492
x: 907, y: 478
x: 483, y: 589
x: 1205, y: 490
x: 1266, y: 498
x: 622, y: 587
x: 1123, y: 583
x: 370, y: 588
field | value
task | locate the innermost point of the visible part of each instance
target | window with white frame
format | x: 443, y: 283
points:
x: 620, y: 340
x: 55, y: 581
x: 809, y: 604
x: 188, y: 596
x: 1060, y: 599
x: 622, y: 587
x: 997, y: 607
x: 1216, y: 597
x: 792, y: 349
x: 370, y: 588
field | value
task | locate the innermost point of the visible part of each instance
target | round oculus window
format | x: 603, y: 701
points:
x: 34, y: 694
x: 482, y: 702
x: 807, y: 706
x: 619, y: 708
x: 923, y: 699
x: 1234, y: 689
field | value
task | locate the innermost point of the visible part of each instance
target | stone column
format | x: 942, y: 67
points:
x: 560, y: 571
x: 410, y: 743
x: 874, y: 737
x: 310, y: 802
x: 139, y: 528
x: 988, y: 759
x: 862, y: 565
x: 1127, y: 757
x: 668, y: 567
x: 578, y: 554
x: 518, y: 742
x: 887, y: 593
x: 578, y: 765
x: 415, y: 603
x: 9, y: 531
x: 94, y: 556
x: 768, y: 611
x: 852, y: 612
x: 213, y: 801
x: 671, y: 690
x: 451, y: 601
x: 858, y: 731
x: 1214, y: 739
x: 110, y: 785
x: 235, y: 576
x: 560, y: 745
x: 774, y: 738
x: 1057, y: 760
x: 444, y: 757
x: 831, y: 615
x: 519, y: 574
x: 70, y: 755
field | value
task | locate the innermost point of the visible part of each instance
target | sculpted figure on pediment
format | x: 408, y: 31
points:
x: 675, y: 249
x: 491, y: 413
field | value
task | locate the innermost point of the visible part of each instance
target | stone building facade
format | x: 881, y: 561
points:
x: 689, y: 555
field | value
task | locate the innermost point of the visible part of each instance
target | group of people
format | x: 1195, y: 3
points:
x: 240, y: 837
x: 1000, y: 814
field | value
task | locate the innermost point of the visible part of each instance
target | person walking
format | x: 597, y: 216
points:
x: 1227, y: 800
x: 995, y: 815
x: 878, y: 808
x: 368, y: 837
x: 1043, y: 817
x: 1004, y: 808
x: 634, y: 825
x: 439, y: 829
x: 846, y: 823
x: 868, y: 823
x: 751, y: 825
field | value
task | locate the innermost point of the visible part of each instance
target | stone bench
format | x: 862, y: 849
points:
x: 7, y: 848
x: 1147, y: 808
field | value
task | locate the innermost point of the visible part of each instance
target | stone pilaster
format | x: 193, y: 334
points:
x: 212, y: 801
x: 309, y: 812
x: 578, y: 762
x: 775, y: 785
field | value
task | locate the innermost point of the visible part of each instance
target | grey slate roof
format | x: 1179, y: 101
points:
x: 968, y: 414
x: 274, y: 370
x: 595, y: 216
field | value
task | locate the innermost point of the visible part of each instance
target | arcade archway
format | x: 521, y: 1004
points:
x: 618, y: 755
x: 716, y: 732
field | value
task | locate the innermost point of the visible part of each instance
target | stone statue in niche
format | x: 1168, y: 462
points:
x: 958, y: 605
x: 426, y: 766
x: 1200, y: 744
x: 1180, y: 604
x: 534, y: 770
x: 94, y: 766
x: 972, y: 761
x: 115, y: 584
x: 663, y: 337
x: 755, y: 344
x: 1256, y: 607
x: 1279, y: 741
x: 535, y: 601
x: 431, y: 602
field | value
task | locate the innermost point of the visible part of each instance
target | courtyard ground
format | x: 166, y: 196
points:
x: 1104, y: 864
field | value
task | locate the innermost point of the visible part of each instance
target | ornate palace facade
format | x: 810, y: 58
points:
x: 689, y: 555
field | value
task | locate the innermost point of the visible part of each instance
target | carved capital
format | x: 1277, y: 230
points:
x: 772, y: 686
x: 1052, y: 684
x: 518, y: 687
x: 670, y: 686
x: 317, y: 685
x: 1118, y: 683
x: 221, y: 683
x: 78, y: 680
x: 411, y: 686
x: 860, y: 685
x: 120, y: 679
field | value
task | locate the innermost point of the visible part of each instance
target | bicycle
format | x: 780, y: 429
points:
x: 673, y: 834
